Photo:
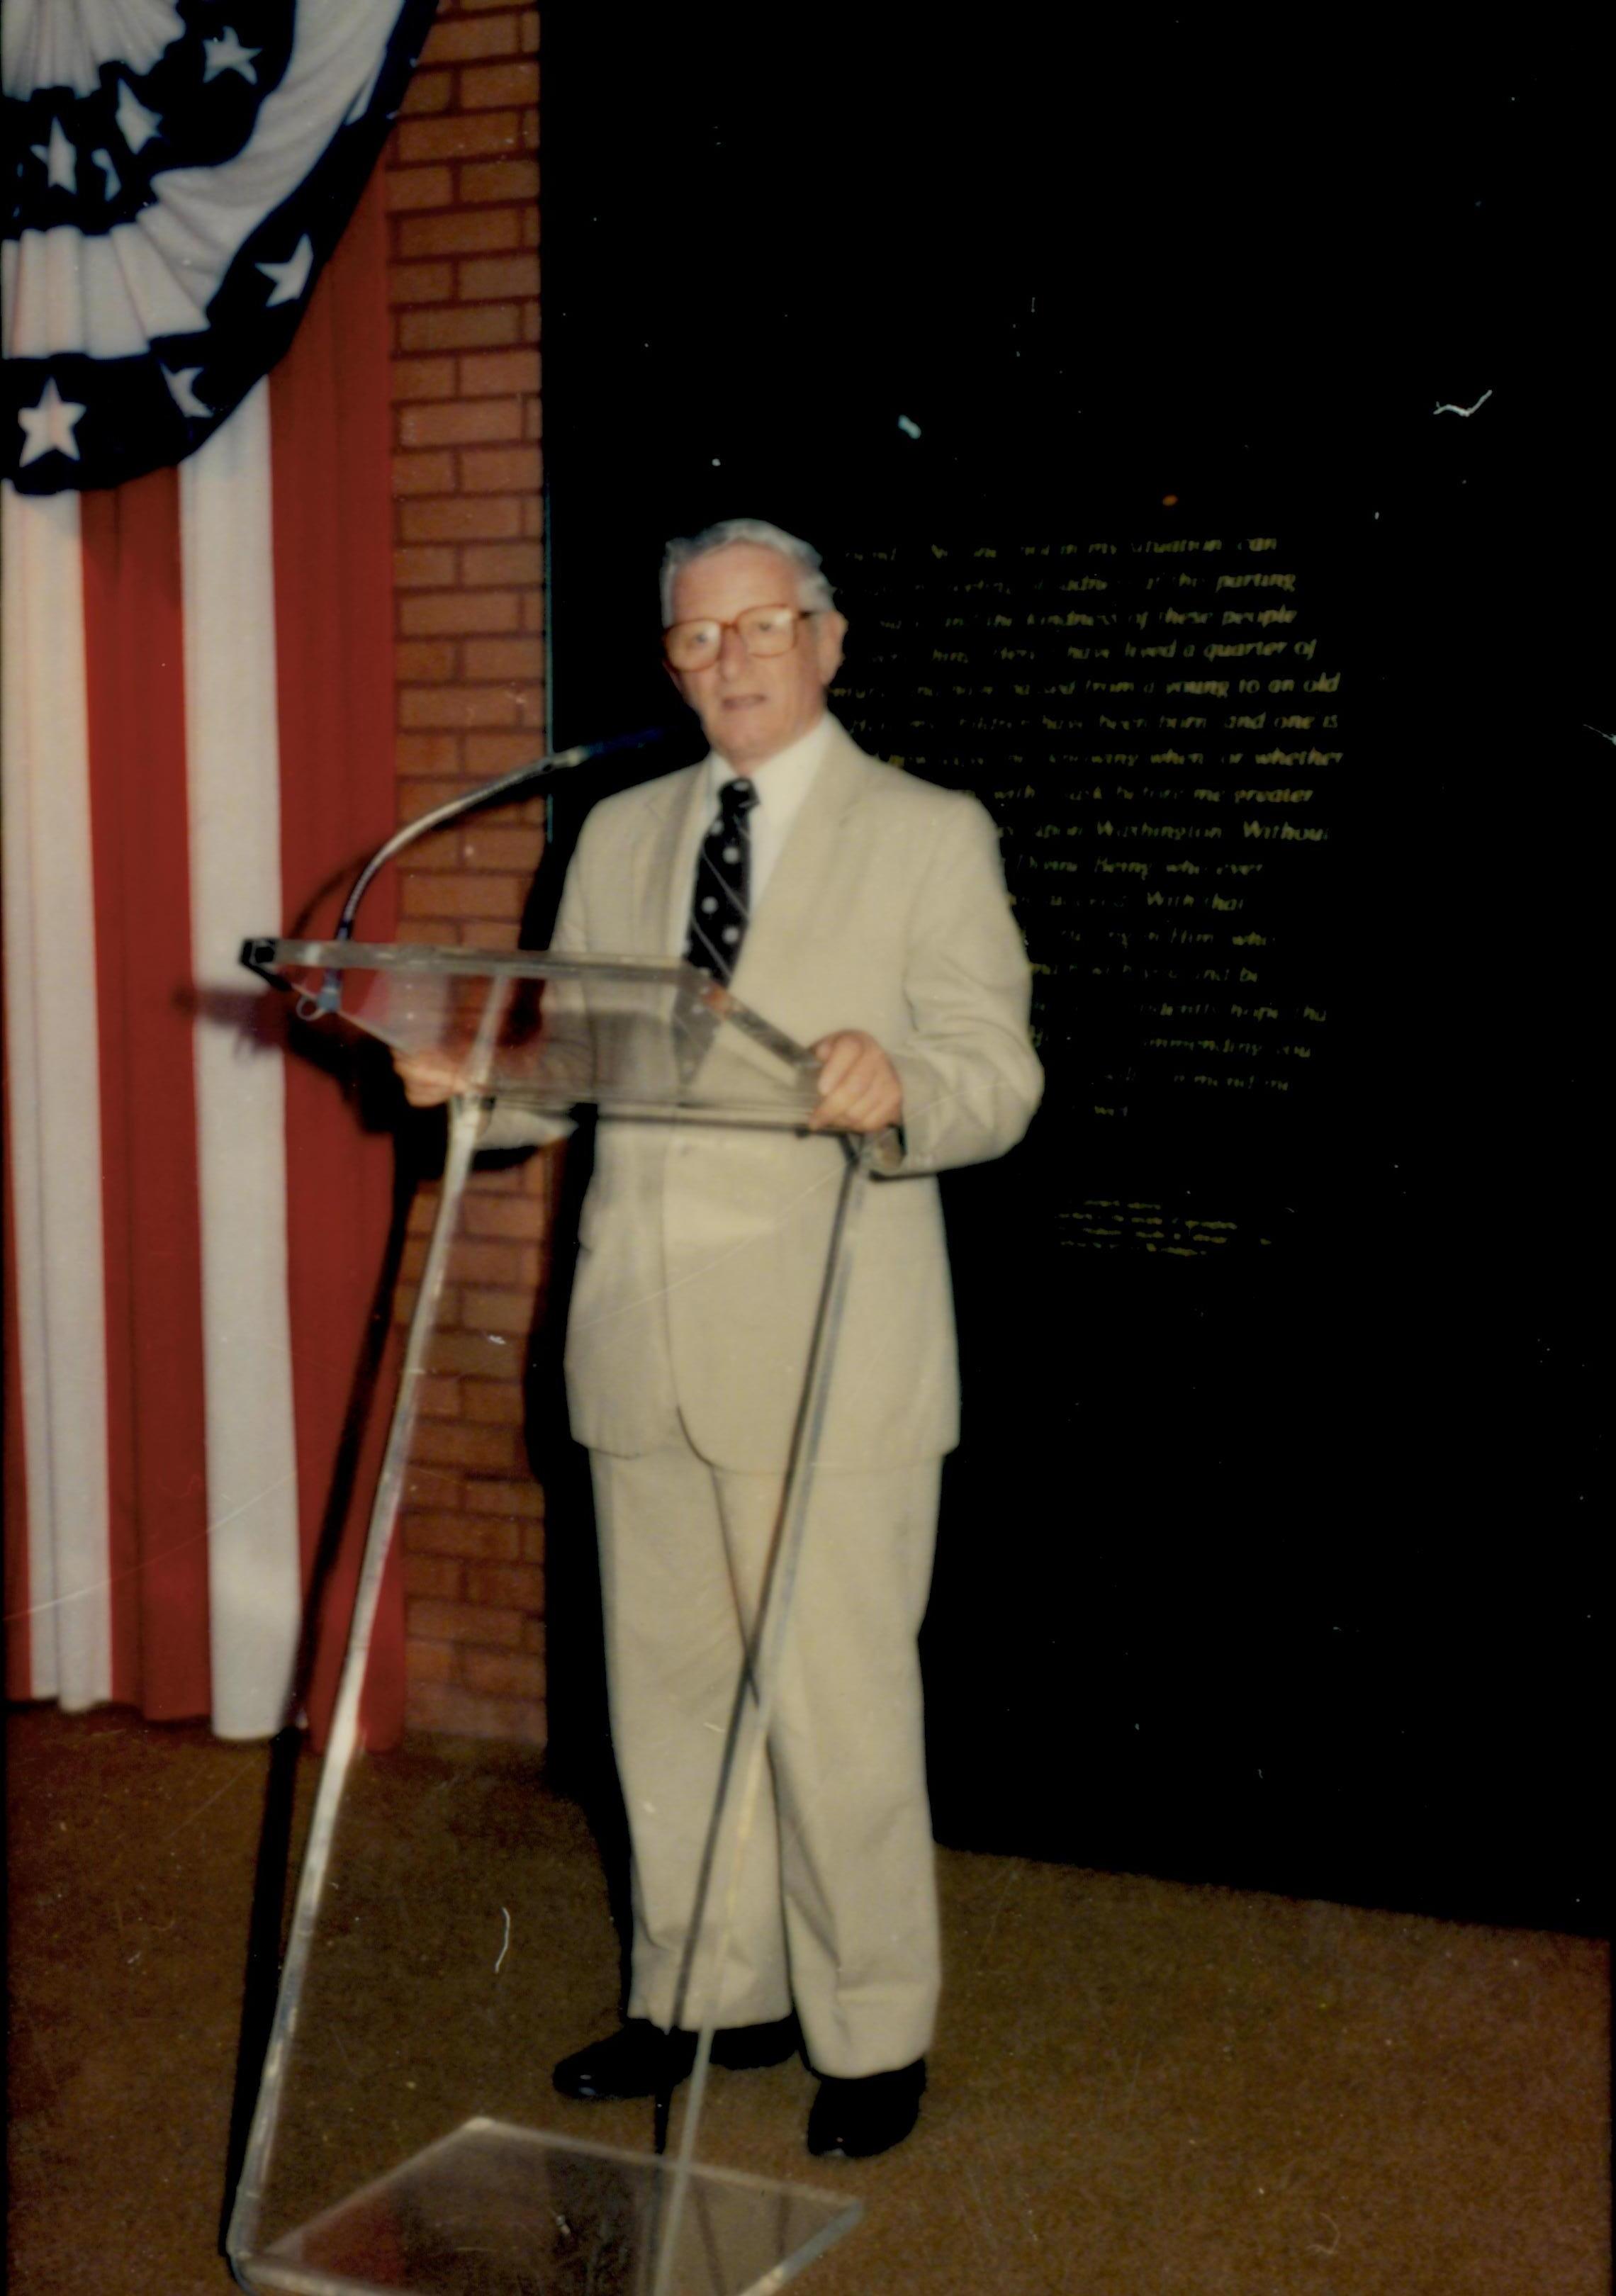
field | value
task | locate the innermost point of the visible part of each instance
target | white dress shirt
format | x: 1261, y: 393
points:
x: 782, y: 782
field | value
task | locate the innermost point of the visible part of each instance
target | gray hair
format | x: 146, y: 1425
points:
x: 814, y: 592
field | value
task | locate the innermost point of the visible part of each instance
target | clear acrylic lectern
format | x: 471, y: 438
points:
x: 398, y: 2186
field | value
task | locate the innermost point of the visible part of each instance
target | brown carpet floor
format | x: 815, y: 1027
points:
x: 1139, y: 2087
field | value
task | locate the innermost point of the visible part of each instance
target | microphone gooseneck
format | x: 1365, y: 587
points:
x: 485, y: 793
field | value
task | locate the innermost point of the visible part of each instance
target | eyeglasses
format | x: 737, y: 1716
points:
x: 762, y: 630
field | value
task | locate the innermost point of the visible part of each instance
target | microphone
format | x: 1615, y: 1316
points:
x: 329, y: 997
x: 485, y: 793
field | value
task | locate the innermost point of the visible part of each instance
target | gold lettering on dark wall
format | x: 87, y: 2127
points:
x: 1156, y: 726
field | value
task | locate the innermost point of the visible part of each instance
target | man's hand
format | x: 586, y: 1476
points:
x: 859, y: 1089
x: 429, y: 1079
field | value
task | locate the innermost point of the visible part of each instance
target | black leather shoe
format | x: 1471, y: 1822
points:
x: 640, y: 2060
x: 857, y: 2118
x: 637, y: 2061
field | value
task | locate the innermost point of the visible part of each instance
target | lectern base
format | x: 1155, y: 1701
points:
x: 499, y: 2211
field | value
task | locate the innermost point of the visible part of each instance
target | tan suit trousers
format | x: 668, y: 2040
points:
x: 835, y: 1910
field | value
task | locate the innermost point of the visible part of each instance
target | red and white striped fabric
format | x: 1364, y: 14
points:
x: 198, y: 735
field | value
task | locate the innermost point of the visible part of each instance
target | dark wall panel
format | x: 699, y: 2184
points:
x: 1200, y: 430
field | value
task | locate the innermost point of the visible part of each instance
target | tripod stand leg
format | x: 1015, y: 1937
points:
x: 759, y: 1675
x: 465, y: 1123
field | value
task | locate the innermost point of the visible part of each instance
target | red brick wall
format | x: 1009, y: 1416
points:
x: 462, y: 191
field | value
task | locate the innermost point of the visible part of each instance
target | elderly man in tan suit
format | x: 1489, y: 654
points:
x: 864, y: 913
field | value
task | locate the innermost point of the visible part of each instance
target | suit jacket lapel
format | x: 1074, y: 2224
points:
x: 656, y: 897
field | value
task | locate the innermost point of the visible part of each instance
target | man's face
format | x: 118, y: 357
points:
x: 751, y: 710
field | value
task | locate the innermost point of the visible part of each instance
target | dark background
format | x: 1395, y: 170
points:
x: 1276, y: 1568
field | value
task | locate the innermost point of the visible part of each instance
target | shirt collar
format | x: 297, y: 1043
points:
x: 783, y: 779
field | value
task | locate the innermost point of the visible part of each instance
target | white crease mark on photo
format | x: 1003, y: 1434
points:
x: 149, y: 1561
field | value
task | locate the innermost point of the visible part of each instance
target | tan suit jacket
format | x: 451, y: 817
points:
x: 702, y: 1252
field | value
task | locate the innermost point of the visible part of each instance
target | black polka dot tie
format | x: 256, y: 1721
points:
x: 722, y: 894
